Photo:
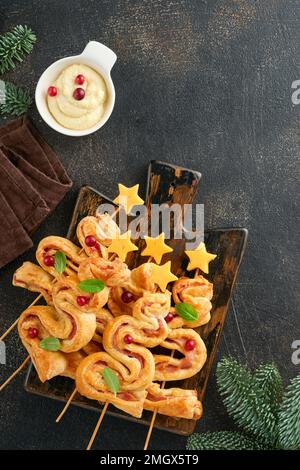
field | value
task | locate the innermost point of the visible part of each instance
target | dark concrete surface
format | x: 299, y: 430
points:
x: 204, y: 84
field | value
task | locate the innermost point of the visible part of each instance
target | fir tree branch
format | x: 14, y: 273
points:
x: 14, y: 45
x: 268, y: 378
x: 17, y: 100
x: 255, y: 402
x: 289, y: 416
x: 246, y: 402
x: 223, y: 440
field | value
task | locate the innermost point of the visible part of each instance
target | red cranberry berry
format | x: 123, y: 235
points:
x: 96, y: 247
x: 90, y: 240
x: 189, y: 345
x: 128, y: 339
x: 52, y: 91
x: 127, y: 297
x: 48, y: 260
x: 82, y: 300
x: 33, y: 332
x: 80, y: 79
x: 78, y: 94
x: 169, y: 317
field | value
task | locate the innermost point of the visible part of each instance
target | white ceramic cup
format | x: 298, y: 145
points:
x: 98, y: 57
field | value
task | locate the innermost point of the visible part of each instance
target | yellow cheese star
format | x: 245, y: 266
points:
x: 122, y: 245
x: 128, y: 197
x: 200, y: 258
x: 156, y: 247
x: 161, y: 275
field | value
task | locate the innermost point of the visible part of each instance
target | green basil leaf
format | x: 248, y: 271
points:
x: 50, y: 344
x: 91, y: 285
x: 186, y: 311
x: 60, y: 261
x: 111, y: 380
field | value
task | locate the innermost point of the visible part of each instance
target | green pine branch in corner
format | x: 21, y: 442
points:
x: 289, y: 416
x: 14, y: 45
x: 267, y: 417
x: 223, y: 440
x: 15, y: 101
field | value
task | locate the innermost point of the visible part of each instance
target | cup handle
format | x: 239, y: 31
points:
x: 100, y: 53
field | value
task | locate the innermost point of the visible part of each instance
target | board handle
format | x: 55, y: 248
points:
x: 169, y: 184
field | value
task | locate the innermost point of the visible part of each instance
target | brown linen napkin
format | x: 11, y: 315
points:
x: 14, y: 240
x: 32, y: 183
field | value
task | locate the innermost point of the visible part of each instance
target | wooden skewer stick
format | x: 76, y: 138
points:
x: 150, y: 429
x: 107, y: 402
x: 16, y: 322
x: 65, y: 408
x: 98, y: 425
x: 154, y: 416
x: 163, y: 386
x: 156, y: 411
x: 9, y: 329
x: 14, y: 373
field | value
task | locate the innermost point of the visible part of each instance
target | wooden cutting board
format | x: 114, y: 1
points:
x: 166, y: 184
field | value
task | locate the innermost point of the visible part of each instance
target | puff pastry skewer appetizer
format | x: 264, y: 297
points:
x: 95, y: 234
x: 122, y: 341
x: 74, y: 323
x: 125, y: 341
x: 197, y: 292
x: 32, y: 277
x: 177, y: 402
x: 45, y: 255
x: 184, y: 290
x: 49, y: 246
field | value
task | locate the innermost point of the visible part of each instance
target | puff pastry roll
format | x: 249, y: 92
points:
x: 73, y: 360
x: 102, y: 229
x: 90, y: 383
x: 48, y: 364
x: 137, y: 285
x: 66, y: 290
x: 175, y: 402
x: 126, y: 338
x: 191, y: 360
x: 116, y: 304
x: 103, y: 316
x: 34, y: 278
x: 140, y: 280
x: 196, y: 291
x: 113, y: 273
x: 50, y: 245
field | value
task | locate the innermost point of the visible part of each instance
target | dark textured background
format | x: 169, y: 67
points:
x: 204, y: 84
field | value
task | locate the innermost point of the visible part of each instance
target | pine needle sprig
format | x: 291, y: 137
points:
x: 14, y: 45
x: 268, y: 378
x: 289, y: 416
x: 245, y: 400
x: 16, y: 102
x: 268, y: 417
x: 223, y: 440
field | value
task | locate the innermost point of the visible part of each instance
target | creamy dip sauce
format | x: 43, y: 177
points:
x: 78, y: 114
